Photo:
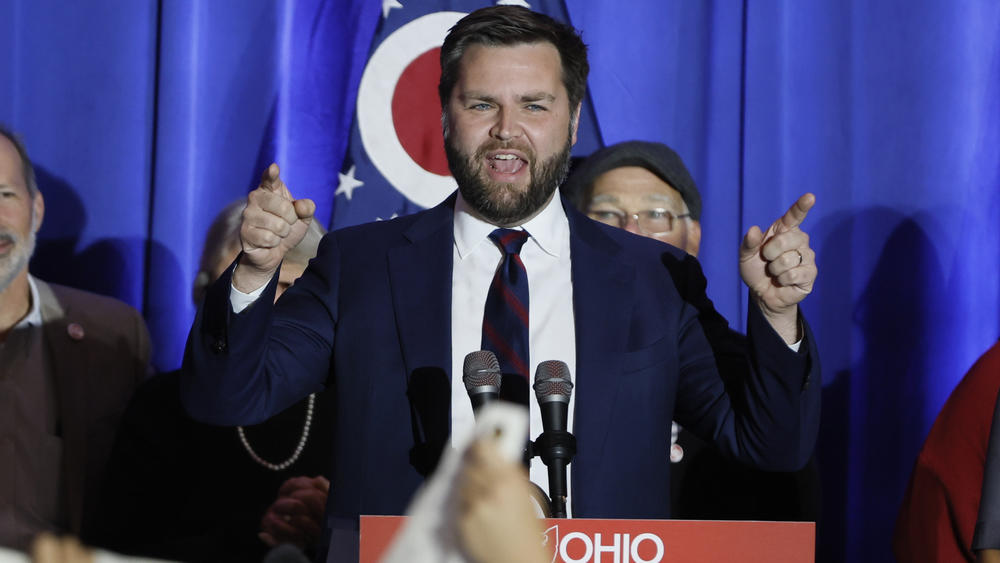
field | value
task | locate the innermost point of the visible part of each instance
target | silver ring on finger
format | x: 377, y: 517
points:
x: 800, y: 256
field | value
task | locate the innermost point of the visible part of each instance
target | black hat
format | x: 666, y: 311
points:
x: 655, y: 157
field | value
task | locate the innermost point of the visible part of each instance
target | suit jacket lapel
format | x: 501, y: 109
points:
x: 600, y: 282
x: 420, y: 271
x: 420, y: 276
x: 69, y: 364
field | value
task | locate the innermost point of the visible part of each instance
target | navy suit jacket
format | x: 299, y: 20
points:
x: 370, y: 320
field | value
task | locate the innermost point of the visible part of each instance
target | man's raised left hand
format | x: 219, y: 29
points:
x: 779, y: 267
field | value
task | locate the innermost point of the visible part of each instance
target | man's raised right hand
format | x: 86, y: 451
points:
x: 273, y: 223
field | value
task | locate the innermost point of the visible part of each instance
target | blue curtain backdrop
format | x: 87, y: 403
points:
x: 145, y: 118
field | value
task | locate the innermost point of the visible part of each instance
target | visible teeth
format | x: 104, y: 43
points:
x: 505, y: 157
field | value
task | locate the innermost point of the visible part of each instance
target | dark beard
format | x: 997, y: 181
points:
x: 503, y: 204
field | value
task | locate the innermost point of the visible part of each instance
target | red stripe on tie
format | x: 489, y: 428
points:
x: 515, y: 304
x: 504, y: 349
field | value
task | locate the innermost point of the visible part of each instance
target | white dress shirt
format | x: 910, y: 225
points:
x: 551, y: 332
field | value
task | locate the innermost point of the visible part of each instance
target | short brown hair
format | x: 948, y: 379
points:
x: 497, y: 26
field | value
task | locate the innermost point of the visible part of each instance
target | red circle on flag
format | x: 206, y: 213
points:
x: 416, y: 113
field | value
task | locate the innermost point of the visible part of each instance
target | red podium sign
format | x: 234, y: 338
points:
x: 581, y: 540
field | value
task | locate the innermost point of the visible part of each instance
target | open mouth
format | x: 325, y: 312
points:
x: 505, y: 165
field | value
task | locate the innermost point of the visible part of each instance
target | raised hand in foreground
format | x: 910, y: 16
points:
x: 496, y: 519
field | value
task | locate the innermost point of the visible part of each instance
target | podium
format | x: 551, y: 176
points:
x: 581, y: 540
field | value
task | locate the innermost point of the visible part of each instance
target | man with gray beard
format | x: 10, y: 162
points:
x: 69, y: 361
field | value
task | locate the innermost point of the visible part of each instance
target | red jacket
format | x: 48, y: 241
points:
x: 938, y: 515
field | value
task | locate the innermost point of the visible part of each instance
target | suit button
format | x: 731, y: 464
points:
x: 219, y: 346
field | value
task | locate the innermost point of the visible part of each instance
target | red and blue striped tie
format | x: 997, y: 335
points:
x: 505, y: 319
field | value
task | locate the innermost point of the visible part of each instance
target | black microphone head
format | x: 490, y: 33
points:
x: 552, y: 382
x: 481, y: 372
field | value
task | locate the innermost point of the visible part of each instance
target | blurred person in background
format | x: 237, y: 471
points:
x: 187, y: 491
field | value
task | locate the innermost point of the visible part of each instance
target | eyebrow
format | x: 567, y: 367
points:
x: 530, y: 97
x: 604, y: 198
x: 537, y: 97
x: 658, y: 197
x: 654, y: 197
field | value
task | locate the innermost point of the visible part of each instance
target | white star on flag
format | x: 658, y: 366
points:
x: 348, y: 183
x: 388, y: 5
x: 522, y: 3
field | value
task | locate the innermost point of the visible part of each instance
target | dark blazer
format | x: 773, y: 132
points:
x: 99, y: 352
x: 370, y: 320
x: 180, y: 490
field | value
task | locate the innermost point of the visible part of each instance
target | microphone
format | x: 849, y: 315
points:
x: 481, y: 375
x: 556, y: 446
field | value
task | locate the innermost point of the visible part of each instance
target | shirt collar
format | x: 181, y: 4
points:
x: 34, y: 316
x: 549, y: 229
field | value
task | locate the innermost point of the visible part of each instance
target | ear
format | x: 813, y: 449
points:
x: 575, y: 122
x: 693, y: 238
x: 38, y: 209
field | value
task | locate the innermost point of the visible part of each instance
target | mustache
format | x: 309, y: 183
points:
x: 9, y: 238
x: 495, y: 145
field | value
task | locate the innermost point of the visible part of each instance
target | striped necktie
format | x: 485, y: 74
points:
x: 505, y: 319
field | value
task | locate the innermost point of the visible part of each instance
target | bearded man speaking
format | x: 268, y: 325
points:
x: 386, y: 313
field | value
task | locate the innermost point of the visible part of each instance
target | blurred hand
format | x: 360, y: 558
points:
x: 779, y: 268
x: 496, y: 520
x: 273, y: 223
x: 296, y: 516
x: 988, y: 556
x: 51, y: 549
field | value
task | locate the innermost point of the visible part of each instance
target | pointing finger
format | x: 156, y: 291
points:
x: 751, y: 243
x: 271, y: 181
x: 797, y: 212
x: 270, y: 177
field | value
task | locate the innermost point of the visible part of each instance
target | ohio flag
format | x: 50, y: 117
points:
x: 395, y: 162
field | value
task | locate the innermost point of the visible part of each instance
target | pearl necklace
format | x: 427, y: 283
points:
x: 298, y: 448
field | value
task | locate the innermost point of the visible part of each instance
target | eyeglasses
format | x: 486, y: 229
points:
x: 650, y: 221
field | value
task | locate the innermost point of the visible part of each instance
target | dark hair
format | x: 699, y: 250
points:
x: 27, y: 170
x: 497, y: 26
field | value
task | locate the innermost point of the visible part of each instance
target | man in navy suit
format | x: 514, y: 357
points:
x: 386, y: 312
